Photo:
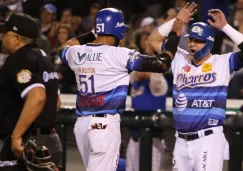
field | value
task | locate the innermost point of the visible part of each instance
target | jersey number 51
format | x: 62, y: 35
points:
x: 86, y: 84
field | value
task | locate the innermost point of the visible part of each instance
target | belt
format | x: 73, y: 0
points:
x: 193, y: 136
x: 42, y: 131
x: 97, y: 115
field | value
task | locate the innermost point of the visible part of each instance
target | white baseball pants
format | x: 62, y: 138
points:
x: 206, y: 153
x: 100, y: 146
x: 132, y: 155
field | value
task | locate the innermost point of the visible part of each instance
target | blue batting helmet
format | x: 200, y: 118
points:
x: 110, y: 21
x: 204, y: 32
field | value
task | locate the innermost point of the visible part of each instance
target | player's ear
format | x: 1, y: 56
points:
x: 16, y: 40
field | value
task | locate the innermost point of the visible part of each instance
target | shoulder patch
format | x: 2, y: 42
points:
x: 24, y: 76
x: 133, y: 55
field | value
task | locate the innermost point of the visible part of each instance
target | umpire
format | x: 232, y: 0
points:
x: 28, y: 94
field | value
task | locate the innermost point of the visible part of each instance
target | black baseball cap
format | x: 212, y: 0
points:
x: 21, y: 24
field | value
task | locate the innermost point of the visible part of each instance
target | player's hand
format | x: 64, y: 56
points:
x: 186, y: 13
x: 177, y: 26
x: 218, y: 17
x: 17, y: 146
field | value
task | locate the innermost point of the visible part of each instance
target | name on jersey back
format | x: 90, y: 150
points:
x: 85, y: 70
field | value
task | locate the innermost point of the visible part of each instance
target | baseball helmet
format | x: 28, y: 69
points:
x: 204, y: 32
x: 110, y: 21
x: 37, y: 158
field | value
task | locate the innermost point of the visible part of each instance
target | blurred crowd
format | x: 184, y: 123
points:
x: 59, y: 24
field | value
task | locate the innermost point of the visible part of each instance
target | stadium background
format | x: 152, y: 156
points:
x: 68, y: 18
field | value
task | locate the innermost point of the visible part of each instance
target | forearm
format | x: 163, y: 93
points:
x: 32, y: 108
x: 172, y: 44
x: 160, y: 63
x: 166, y: 28
x: 157, y: 37
x: 58, y: 103
x: 70, y: 42
x: 235, y: 35
x: 145, y: 63
x: 79, y: 40
x: 155, y: 40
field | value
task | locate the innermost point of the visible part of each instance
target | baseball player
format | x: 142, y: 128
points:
x: 200, y: 93
x: 102, y: 74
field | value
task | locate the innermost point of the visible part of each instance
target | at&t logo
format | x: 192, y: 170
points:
x: 181, y: 102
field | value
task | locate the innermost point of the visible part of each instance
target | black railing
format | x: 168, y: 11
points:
x: 145, y: 120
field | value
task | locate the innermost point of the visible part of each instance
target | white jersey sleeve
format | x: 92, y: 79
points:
x: 234, y: 61
x: 123, y: 55
x: 70, y: 55
x: 230, y: 61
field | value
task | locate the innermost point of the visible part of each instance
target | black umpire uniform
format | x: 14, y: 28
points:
x: 27, y: 68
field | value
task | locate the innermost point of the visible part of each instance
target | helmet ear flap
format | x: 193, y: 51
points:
x: 37, y: 157
x: 204, y: 51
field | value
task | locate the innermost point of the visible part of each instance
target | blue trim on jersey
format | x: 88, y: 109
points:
x: 199, y: 112
x: 219, y: 102
x: 192, y: 119
x: 63, y: 55
x: 163, y: 46
x: 118, y: 94
x: 202, y: 89
x: 231, y: 63
x: 82, y: 113
x: 235, y: 63
x: 113, y: 101
x: 213, y: 94
x: 204, y: 107
x: 198, y: 124
x: 195, y: 65
x: 135, y: 62
x: 189, y: 123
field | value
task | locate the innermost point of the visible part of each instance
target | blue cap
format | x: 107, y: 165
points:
x: 50, y: 8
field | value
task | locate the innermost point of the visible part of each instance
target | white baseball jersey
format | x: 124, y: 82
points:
x: 102, y: 75
x: 200, y: 92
